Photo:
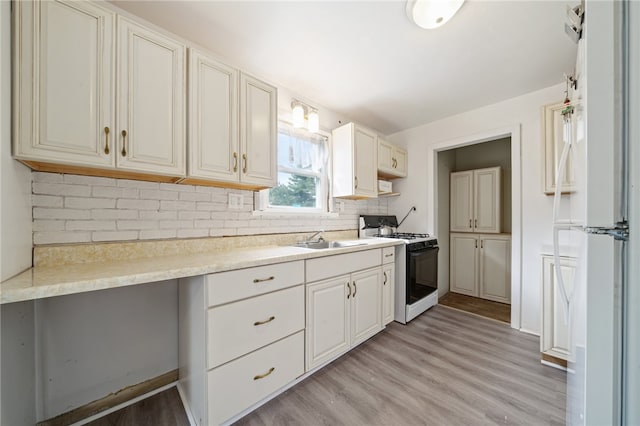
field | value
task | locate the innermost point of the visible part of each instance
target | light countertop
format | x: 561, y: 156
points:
x: 48, y: 281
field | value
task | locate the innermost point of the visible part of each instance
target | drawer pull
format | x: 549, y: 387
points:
x: 385, y: 278
x: 124, y: 143
x: 261, y: 280
x: 355, y: 289
x: 388, y: 255
x: 262, y: 376
x: 271, y: 318
x: 106, y: 140
x: 235, y: 161
x: 349, y: 287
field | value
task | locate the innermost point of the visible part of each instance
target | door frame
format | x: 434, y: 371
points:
x: 516, y: 201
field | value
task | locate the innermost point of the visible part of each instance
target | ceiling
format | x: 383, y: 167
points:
x: 367, y: 62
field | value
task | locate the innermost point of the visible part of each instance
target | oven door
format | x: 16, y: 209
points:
x: 422, y: 273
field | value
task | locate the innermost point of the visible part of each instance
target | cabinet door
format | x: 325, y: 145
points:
x: 388, y: 292
x: 464, y: 262
x: 151, y: 89
x: 366, y: 308
x: 258, y: 132
x: 213, y: 119
x: 400, y: 162
x: 63, y: 83
x: 487, y: 199
x: 328, y: 320
x: 552, y: 131
x: 365, y: 161
x: 495, y: 268
x: 461, y: 201
x: 555, y: 338
x: 385, y: 156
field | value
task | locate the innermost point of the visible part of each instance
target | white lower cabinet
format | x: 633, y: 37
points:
x: 481, y: 266
x: 388, y: 284
x: 555, y: 338
x: 241, y: 338
x: 342, y: 312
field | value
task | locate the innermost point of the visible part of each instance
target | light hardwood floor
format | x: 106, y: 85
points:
x: 486, y: 308
x: 445, y: 367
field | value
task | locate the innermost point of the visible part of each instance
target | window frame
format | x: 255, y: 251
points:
x: 323, y: 189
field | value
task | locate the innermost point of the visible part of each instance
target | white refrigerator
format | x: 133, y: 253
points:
x: 595, y: 222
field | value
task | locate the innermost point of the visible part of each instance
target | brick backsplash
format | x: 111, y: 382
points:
x: 82, y: 209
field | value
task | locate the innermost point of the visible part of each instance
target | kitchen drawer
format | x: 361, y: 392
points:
x: 332, y: 266
x: 388, y: 254
x: 237, y: 328
x: 238, y: 385
x: 226, y: 287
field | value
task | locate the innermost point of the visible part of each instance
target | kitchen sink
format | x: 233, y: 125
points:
x: 317, y: 245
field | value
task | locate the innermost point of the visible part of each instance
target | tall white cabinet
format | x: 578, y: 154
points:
x: 476, y: 198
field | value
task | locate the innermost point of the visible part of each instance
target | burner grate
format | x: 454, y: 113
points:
x: 404, y: 235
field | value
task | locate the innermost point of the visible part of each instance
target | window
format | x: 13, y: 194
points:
x: 303, y: 162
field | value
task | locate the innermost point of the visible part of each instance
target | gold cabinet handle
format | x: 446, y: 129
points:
x: 356, y: 182
x: 481, y: 243
x: 244, y: 163
x: 106, y: 140
x: 476, y: 243
x: 262, y: 376
x: 261, y: 280
x: 476, y: 223
x: 355, y: 289
x: 235, y: 161
x: 388, y: 255
x: 124, y: 143
x: 385, y: 278
x: 271, y: 318
x: 349, y: 287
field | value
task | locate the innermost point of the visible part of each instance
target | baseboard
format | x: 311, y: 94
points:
x: 553, y: 361
x: 120, y: 397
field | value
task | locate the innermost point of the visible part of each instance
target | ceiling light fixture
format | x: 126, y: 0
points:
x: 429, y: 14
x: 301, y: 111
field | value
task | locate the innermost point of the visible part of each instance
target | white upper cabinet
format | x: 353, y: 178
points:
x: 151, y: 89
x: 476, y: 200
x: 392, y: 160
x: 258, y: 132
x: 64, y: 83
x: 553, y: 143
x: 213, y: 119
x: 355, y: 159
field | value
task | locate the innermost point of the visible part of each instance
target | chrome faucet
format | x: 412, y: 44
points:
x: 310, y: 239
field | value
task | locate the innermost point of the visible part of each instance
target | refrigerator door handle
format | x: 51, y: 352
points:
x: 619, y: 232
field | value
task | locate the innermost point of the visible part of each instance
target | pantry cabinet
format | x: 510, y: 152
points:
x: 392, y: 160
x: 232, y: 126
x: 63, y: 83
x: 151, y: 83
x: 355, y: 160
x: 481, y: 266
x: 476, y: 200
x: 554, y: 336
x: 68, y: 62
x: 553, y: 144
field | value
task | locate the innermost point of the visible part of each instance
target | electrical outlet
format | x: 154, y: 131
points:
x: 235, y: 201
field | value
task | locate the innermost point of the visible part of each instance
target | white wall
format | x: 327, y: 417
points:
x: 418, y: 187
x: 446, y: 165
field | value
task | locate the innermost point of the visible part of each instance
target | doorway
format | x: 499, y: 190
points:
x: 443, y: 158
